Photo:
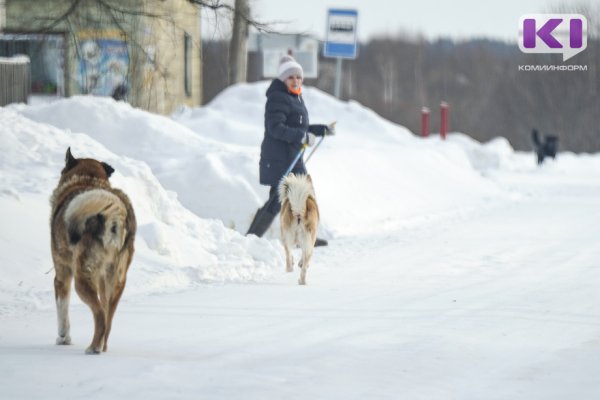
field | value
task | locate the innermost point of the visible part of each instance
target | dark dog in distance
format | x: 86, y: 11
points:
x: 544, y: 148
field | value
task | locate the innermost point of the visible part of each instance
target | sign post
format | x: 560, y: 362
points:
x: 341, y: 40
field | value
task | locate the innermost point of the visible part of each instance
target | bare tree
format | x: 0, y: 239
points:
x: 238, y: 54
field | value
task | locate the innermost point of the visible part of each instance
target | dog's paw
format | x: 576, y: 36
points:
x: 301, y: 281
x: 63, y: 340
x: 92, y: 350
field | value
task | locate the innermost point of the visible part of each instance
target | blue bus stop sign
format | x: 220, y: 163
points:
x: 341, y: 34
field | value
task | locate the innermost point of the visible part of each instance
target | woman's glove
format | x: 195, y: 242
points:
x: 322, y: 130
x: 331, y: 129
x: 309, y: 139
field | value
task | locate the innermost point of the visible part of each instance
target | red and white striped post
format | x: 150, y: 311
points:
x: 424, y: 122
x: 443, y: 119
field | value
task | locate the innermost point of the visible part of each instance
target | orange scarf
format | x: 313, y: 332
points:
x: 297, y: 92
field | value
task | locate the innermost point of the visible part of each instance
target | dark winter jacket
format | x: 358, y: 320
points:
x: 286, y: 124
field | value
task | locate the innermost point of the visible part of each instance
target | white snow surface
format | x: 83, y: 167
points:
x: 455, y: 270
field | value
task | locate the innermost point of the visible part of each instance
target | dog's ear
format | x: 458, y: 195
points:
x: 70, y: 161
x: 309, y: 178
x: 109, y: 170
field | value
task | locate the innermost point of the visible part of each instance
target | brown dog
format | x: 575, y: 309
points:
x: 92, y: 229
x: 299, y: 220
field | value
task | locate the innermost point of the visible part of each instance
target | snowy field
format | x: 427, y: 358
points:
x: 455, y: 270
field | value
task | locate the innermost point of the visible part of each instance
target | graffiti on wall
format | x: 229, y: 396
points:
x: 103, y: 63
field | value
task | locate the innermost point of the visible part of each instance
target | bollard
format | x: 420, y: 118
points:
x: 424, y: 122
x: 443, y: 119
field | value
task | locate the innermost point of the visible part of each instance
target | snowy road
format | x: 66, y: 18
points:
x: 500, y: 302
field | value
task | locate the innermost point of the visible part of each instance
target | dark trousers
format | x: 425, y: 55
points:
x: 266, y: 214
x: 275, y: 205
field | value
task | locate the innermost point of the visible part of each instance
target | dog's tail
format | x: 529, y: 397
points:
x: 296, y: 189
x: 99, y: 214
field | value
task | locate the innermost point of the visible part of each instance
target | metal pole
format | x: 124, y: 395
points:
x: 293, y: 164
x: 443, y: 119
x: 314, y: 149
x: 338, y: 77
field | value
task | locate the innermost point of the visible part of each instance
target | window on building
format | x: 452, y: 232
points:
x: 187, y: 64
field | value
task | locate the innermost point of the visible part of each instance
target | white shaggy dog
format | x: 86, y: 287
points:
x: 299, y: 220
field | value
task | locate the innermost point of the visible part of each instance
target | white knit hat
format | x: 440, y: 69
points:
x: 289, y: 67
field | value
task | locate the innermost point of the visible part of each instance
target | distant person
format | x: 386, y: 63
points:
x: 286, y: 130
x: 546, y: 147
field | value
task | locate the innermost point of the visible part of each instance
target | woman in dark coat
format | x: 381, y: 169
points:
x: 286, y: 130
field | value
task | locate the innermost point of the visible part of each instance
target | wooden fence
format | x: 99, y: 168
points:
x: 15, y: 80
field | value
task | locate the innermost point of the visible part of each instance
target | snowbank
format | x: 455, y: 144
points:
x: 174, y: 247
x: 371, y: 171
x: 193, y: 179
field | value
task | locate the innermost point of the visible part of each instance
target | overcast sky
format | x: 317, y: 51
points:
x: 457, y: 19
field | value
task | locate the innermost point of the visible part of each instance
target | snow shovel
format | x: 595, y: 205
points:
x: 263, y: 218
